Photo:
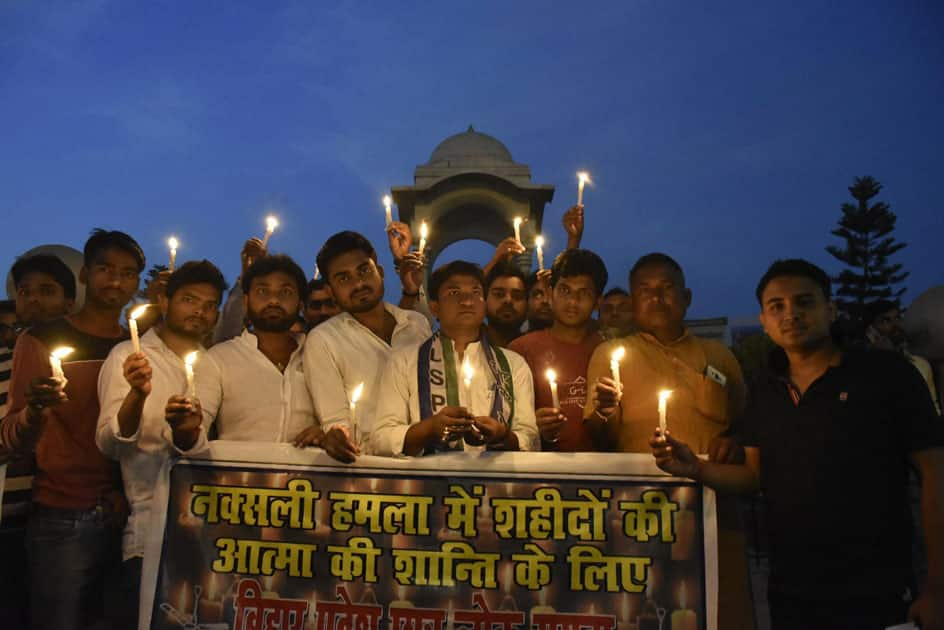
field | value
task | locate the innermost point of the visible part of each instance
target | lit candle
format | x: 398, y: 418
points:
x: 539, y: 244
x: 615, y: 359
x: 583, y: 178
x: 683, y: 619
x: 467, y: 373
x: 173, y: 244
x: 317, y: 273
x: 355, y: 396
x: 518, y: 222
x: 387, y: 203
x: 271, y: 224
x: 55, y: 361
x: 133, y: 325
x: 189, y: 360
x: 663, y: 404
x: 552, y: 381
x: 424, y: 232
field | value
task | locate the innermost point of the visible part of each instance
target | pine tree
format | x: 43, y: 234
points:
x: 866, y: 230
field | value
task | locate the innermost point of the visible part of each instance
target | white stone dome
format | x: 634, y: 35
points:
x: 470, y: 147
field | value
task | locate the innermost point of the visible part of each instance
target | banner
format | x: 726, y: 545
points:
x: 265, y: 536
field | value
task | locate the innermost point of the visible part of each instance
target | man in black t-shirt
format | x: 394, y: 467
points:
x: 829, y: 435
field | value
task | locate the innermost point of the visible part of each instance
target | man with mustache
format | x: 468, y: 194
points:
x: 540, y: 315
x: 137, y: 425
x: 424, y: 405
x: 78, y: 512
x: 253, y: 386
x: 506, y: 302
x: 353, y: 347
x: 319, y: 305
x: 830, y: 434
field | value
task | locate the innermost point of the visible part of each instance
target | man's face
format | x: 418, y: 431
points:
x: 891, y: 325
x: 616, y: 312
x: 192, y: 311
x: 659, y: 297
x: 320, y: 307
x: 460, y: 303
x: 273, y: 302
x: 539, y: 305
x: 40, y: 298
x: 111, y: 279
x: 506, y: 303
x: 356, y: 282
x: 574, y: 299
x: 8, y: 329
x: 795, y: 313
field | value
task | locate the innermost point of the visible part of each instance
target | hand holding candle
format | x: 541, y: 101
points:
x: 355, y: 396
x: 552, y: 381
x: 189, y: 360
x: 172, y: 244
x: 467, y: 373
x: 55, y: 361
x: 539, y: 245
x: 271, y: 224
x: 615, y: 358
x: 424, y: 232
x: 583, y: 178
x: 663, y: 404
x: 518, y: 222
x: 387, y: 201
x: 133, y: 325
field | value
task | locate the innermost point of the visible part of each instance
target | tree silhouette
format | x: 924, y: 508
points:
x: 866, y: 230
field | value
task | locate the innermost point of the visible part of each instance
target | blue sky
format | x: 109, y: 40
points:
x: 724, y: 134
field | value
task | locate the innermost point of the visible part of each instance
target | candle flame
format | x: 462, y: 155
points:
x: 584, y: 178
x: 173, y: 243
x: 356, y: 394
x: 62, y: 352
x: 618, y: 354
x: 191, y: 358
x: 271, y: 223
x: 551, y: 375
x: 387, y: 201
x: 664, y: 395
x: 424, y: 230
x: 539, y: 241
x: 138, y: 312
x: 518, y: 221
x: 467, y: 370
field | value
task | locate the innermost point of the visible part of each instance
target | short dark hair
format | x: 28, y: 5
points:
x: 196, y: 272
x: 616, y: 291
x: 531, y: 281
x: 340, y: 244
x: 8, y: 306
x: 580, y: 262
x: 48, y: 264
x: 655, y: 258
x: 454, y: 268
x: 270, y: 264
x: 794, y: 267
x: 504, y: 269
x: 316, y: 285
x: 878, y: 308
x: 100, y: 240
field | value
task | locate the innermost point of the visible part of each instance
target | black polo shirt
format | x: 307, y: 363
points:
x: 834, y: 466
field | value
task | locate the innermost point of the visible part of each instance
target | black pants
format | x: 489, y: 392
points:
x: 127, y: 595
x: 876, y: 613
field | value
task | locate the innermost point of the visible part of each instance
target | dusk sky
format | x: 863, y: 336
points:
x: 724, y: 133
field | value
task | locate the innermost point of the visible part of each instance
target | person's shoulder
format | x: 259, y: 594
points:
x: 224, y: 349
x: 51, y: 331
x: 515, y: 360
x: 404, y: 355
x: 415, y: 319
x: 524, y: 343
x: 328, y: 329
x: 874, y: 360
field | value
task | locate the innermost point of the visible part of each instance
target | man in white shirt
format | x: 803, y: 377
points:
x: 455, y: 388
x: 133, y: 389
x: 353, y: 347
x: 253, y: 386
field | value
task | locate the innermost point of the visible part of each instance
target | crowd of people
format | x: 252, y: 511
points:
x: 828, y: 433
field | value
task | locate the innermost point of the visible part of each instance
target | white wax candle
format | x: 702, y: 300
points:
x: 582, y: 179
x: 355, y: 396
x: 518, y: 222
x: 615, y: 359
x: 271, y: 224
x: 317, y: 273
x: 55, y: 361
x: 133, y: 326
x: 387, y: 203
x: 552, y: 381
x: 467, y: 373
x: 424, y: 232
x: 173, y: 244
x: 189, y: 360
x: 663, y: 405
x: 539, y: 244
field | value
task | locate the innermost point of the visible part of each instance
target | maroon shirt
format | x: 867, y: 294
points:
x: 542, y: 351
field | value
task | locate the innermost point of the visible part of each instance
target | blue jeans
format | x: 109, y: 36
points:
x: 73, y: 556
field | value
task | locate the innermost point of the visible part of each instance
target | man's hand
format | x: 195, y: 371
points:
x: 400, y: 239
x: 411, y: 272
x: 449, y: 423
x: 544, y: 277
x: 550, y: 422
x: 492, y: 430
x: 507, y: 248
x: 184, y: 415
x: 725, y: 450
x: 43, y: 393
x: 573, y: 225
x: 137, y: 373
x: 337, y: 444
x: 606, y: 396
x: 157, y: 287
x: 311, y: 436
x: 928, y: 610
x: 253, y: 250
x: 674, y: 457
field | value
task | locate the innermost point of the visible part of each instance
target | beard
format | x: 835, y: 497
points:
x: 362, y: 305
x: 266, y: 320
x: 178, y: 327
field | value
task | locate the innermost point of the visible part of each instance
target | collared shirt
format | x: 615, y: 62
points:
x: 399, y: 404
x: 342, y: 353
x: 700, y: 407
x: 248, y: 397
x: 142, y: 454
x: 834, y: 468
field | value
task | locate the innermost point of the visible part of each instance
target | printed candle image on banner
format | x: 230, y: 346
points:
x: 256, y: 547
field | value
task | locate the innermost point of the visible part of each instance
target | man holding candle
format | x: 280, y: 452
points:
x: 354, y: 346
x: 577, y: 278
x: 253, y: 386
x: 707, y: 393
x: 45, y: 288
x: 829, y: 435
x: 506, y: 302
x: 425, y: 405
x: 74, y: 533
x: 145, y: 418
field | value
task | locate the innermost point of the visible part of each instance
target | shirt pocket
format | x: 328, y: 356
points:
x: 711, y: 400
